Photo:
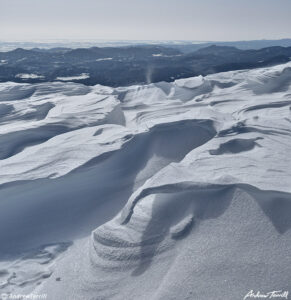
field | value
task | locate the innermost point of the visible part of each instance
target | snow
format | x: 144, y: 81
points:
x: 28, y: 76
x: 104, y: 59
x: 164, y: 55
x: 77, y: 77
x: 174, y: 190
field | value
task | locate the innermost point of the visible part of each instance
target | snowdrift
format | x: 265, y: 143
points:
x: 164, y: 191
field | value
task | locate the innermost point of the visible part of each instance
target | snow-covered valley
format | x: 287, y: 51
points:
x: 163, y: 191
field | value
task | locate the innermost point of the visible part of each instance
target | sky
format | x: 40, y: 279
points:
x: 200, y: 20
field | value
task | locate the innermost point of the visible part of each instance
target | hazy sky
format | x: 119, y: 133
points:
x: 145, y: 19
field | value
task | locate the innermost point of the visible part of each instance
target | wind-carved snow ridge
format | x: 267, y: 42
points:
x: 168, y: 190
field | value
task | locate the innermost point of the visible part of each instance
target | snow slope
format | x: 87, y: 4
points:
x: 165, y: 191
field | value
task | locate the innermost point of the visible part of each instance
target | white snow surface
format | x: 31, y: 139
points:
x: 28, y: 76
x: 163, y: 191
x: 77, y: 77
x: 104, y: 59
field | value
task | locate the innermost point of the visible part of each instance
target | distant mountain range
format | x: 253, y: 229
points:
x: 243, y: 45
x: 127, y: 65
x: 184, y: 46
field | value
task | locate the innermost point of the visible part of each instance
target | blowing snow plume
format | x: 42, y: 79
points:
x: 149, y: 74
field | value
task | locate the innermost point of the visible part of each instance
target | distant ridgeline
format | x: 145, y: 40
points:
x: 122, y: 66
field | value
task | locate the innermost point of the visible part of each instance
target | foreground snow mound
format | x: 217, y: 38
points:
x: 165, y: 191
